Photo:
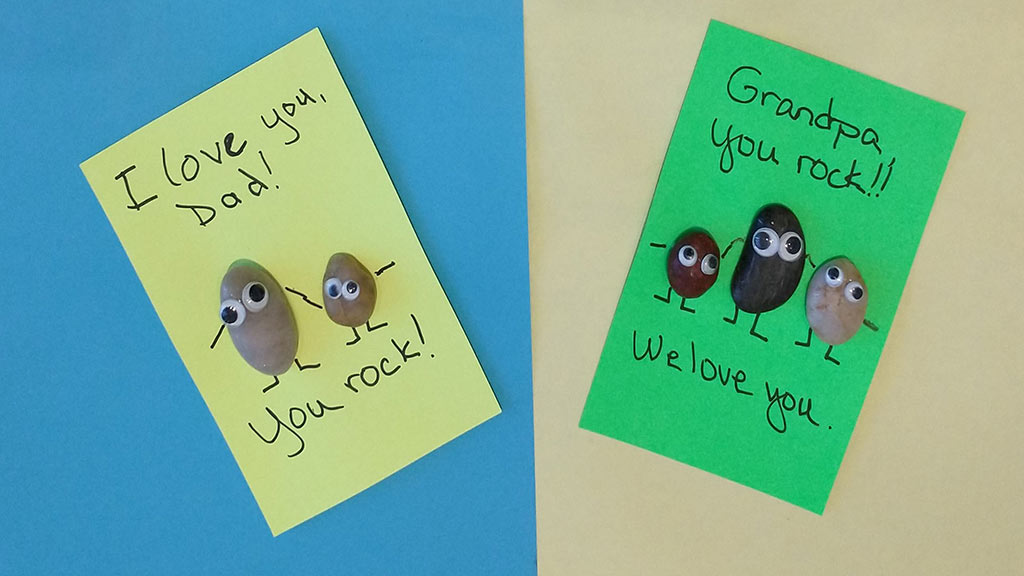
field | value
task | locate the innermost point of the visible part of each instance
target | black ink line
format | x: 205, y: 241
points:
x: 871, y: 325
x: 753, y: 328
x: 735, y: 315
x: 668, y: 296
x: 371, y: 327
x: 265, y: 162
x: 218, y: 158
x: 828, y: 356
x: 276, y: 382
x: 382, y: 270
x: 304, y: 298
x: 163, y: 155
x: 217, y: 337
x: 729, y: 247
x: 307, y: 366
x: 418, y: 331
x: 656, y: 245
x: 877, y: 174
x: 888, y: 174
x: 135, y: 205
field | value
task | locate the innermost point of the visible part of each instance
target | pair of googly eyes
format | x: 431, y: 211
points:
x: 767, y: 243
x: 853, y: 292
x: 335, y: 288
x: 687, y: 256
x: 254, y: 299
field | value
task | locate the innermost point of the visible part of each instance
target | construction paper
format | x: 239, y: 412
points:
x: 276, y: 166
x: 859, y: 162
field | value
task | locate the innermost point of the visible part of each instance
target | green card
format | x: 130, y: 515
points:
x: 756, y: 398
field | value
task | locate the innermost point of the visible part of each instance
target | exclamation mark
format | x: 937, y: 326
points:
x: 267, y: 166
x: 419, y: 331
x: 891, y: 162
x: 877, y: 174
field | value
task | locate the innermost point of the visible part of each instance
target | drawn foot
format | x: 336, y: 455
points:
x: 828, y: 356
x: 357, y: 337
x: 307, y: 366
x: 735, y: 315
x: 805, y: 344
x: 268, y: 388
x: 753, y: 329
x: 682, y: 306
x: 668, y: 297
x: 371, y: 328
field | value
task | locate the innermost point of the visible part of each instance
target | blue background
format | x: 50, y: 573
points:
x: 111, y: 462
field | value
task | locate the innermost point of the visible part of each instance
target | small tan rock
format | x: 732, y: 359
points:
x: 350, y: 291
x: 837, y: 300
x: 258, y: 317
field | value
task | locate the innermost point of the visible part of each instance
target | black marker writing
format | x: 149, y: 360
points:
x: 123, y: 177
x: 297, y: 417
x: 290, y: 109
x: 205, y: 214
x: 779, y: 405
x: 184, y: 167
x: 743, y: 87
x: 704, y: 369
x: 784, y: 107
x: 744, y: 147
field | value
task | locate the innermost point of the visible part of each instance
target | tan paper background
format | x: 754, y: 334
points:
x: 932, y: 481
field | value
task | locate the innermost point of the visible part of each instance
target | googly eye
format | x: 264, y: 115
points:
x: 687, y: 256
x: 833, y: 276
x: 232, y: 312
x: 854, y: 292
x: 765, y: 242
x: 709, y: 264
x: 332, y: 288
x: 791, y: 246
x: 350, y: 290
x: 254, y: 296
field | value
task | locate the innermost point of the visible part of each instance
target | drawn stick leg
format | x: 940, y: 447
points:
x: 682, y: 306
x: 735, y: 315
x: 753, y: 328
x: 828, y: 356
x: 305, y: 366
x: 268, y: 388
x: 805, y: 344
x: 667, y: 298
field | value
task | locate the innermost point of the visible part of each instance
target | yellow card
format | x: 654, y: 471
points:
x: 275, y: 165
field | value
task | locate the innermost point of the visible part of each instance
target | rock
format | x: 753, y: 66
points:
x: 837, y: 300
x: 693, y: 263
x: 258, y: 317
x: 350, y: 291
x: 772, y: 261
